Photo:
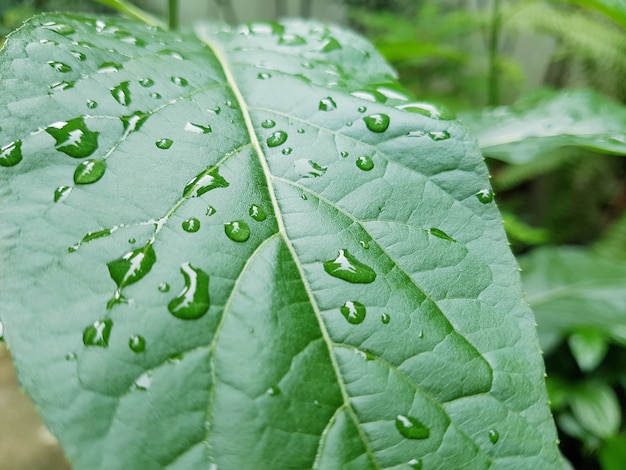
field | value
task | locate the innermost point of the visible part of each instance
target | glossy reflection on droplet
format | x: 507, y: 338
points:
x: 411, y: 427
x: 74, y: 138
x: 308, y: 168
x: 485, y: 196
x: 237, y: 230
x: 273, y: 391
x: 347, y: 267
x: 264, y: 76
x: 365, y: 163
x: 132, y: 266
x: 89, y: 171
x: 268, y: 124
x: 377, y: 122
x: 193, y: 300
x: 287, y: 151
x: 59, y: 66
x: 180, y: 81
x: 61, y: 193
x: 98, y: 333
x: 121, y: 93
x: 276, y: 138
x: 353, y: 312
x: 137, y: 343
x: 164, y: 144
x: 11, y: 154
x: 191, y: 225
x: 257, y: 213
x: 198, y: 128
x: 59, y: 28
x: 327, y: 104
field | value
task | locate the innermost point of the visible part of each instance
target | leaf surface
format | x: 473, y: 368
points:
x: 242, y: 250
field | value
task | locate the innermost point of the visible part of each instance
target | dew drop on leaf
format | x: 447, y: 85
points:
x: 164, y: 287
x: 89, y: 171
x: 91, y: 104
x: 287, y: 151
x: 137, y: 343
x: 48, y: 42
x: 70, y: 356
x: 415, y: 464
x: 273, y: 391
x: 301, y: 131
x: 133, y: 122
x: 441, y: 234
x: 79, y: 55
x: 377, y: 122
x: 121, y: 93
x: 237, y: 230
x: 485, y: 196
x: 164, y: 144
x: 210, y: 211
x: 180, y: 81
x: 197, y: 128
x: 74, y: 138
x: 97, y: 334
x: 191, y: 225
x: 411, y: 427
x: 304, y: 197
x: 365, y: 163
x: 156, y: 96
x: 109, y: 67
x: 59, y: 28
x: 193, y: 301
x: 146, y: 82
x: 347, y: 267
x: 493, y: 436
x: 205, y: 182
x: 264, y: 76
x: 217, y: 110
x: 439, y: 135
x: 132, y: 266
x: 11, y: 154
x: 277, y: 138
x: 291, y: 40
x: 361, y: 109
x: 143, y: 382
x: 64, y: 85
x: 268, y: 124
x: 327, y: 104
x: 344, y: 154
x: 257, y: 213
x: 61, y: 193
x: 308, y: 168
x: 331, y: 44
x: 353, y: 312
x: 427, y: 109
x: 59, y: 66
x: 385, y: 318
x: 364, y: 244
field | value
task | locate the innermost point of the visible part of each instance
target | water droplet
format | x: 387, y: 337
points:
x: 191, y: 225
x: 132, y: 241
x: 48, y: 42
x: 354, y: 312
x: 217, y: 110
x: 1, y: 332
x: 493, y: 436
x: 420, y: 335
x: 132, y: 266
x: 344, y: 154
x: 121, y: 93
x: 11, y: 154
x: 287, y: 151
x: 91, y: 104
x: 164, y: 144
x: 385, y: 318
x: 377, y: 122
x: 79, y: 55
x: 74, y: 138
x: 303, y: 197
x: 439, y: 135
x: 301, y: 131
x: 364, y: 244
x: 156, y: 96
x: 133, y: 122
x: 205, y: 182
x: 347, y: 267
x: 308, y: 168
x: 415, y: 464
x: 327, y: 104
x: 97, y: 334
x: 264, y: 76
x: 441, y: 234
x: 428, y: 109
x: 349, y: 124
x: 146, y: 82
x: 291, y: 40
x: 61, y: 193
x: 273, y: 391
x: 59, y: 66
x: 71, y: 356
x: 411, y: 427
x: 164, y: 287
x: 59, y: 28
x: 137, y: 343
x: 64, y: 85
x: 277, y: 138
x: 143, y: 382
x: 485, y: 196
x: 370, y: 95
x: 331, y: 44
x: 231, y: 104
x: 89, y: 171
x: 237, y: 230
x: 169, y: 52
x: 197, y: 128
x: 193, y: 301
x: 109, y: 67
x: 180, y: 81
x: 210, y: 211
x: 361, y: 109
x: 257, y: 213
x: 268, y: 124
x: 365, y: 163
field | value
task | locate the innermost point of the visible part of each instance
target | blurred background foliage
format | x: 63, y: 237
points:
x: 542, y: 85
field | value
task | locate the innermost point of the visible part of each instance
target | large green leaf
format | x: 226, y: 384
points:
x: 242, y: 250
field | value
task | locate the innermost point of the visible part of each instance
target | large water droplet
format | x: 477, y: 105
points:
x: 354, y: 312
x: 180, y: 81
x: 133, y: 266
x: 59, y: 66
x: 164, y: 144
x: 191, y: 225
x: 377, y: 122
x: 11, y: 154
x: 493, y: 436
x: 257, y: 213
x: 365, y: 163
x: 411, y: 427
x: 137, y: 343
x: 347, y: 267
x: 205, y: 182
x: 237, y: 230
x: 198, y: 128
x: 193, y: 301
x: 327, y: 104
x: 89, y: 171
x: 441, y: 234
x: 61, y: 193
x: 133, y: 122
x: 97, y: 334
x: 308, y: 168
x: 74, y: 138
x: 485, y: 196
x: 121, y: 93
x: 277, y: 138
x: 268, y: 124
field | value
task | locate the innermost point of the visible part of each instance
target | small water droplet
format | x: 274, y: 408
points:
x: 121, y: 93
x: 210, y: 211
x: 273, y: 391
x: 133, y: 122
x: 268, y: 124
x: 48, y: 42
x: 217, y: 110
x: 331, y: 44
x: 364, y: 244
x: 287, y: 151
x: 365, y: 163
x: 193, y: 300
x: 385, y: 318
x: 415, y: 464
x: 132, y: 241
x: 109, y: 67
x: 347, y: 267
x: 97, y: 334
x: 91, y: 104
x: 59, y: 66
x: 344, y: 154
x: 64, y: 85
x: 411, y: 427
x: 89, y: 171
x: 439, y: 135
x: 191, y: 225
x: 1, y: 332
x: 164, y: 144
x: 132, y: 266
x: 231, y: 104
x: 301, y: 131
x: 277, y: 138
x: 303, y: 197
x: 361, y: 109
x: 143, y: 382
x: 377, y: 122
x: 74, y: 138
x: 180, y: 81
x: 370, y: 95
x: 354, y: 312
x: 291, y: 40
x: 156, y: 96
x: 493, y: 436
x: 205, y: 182
x: 420, y: 335
x: 164, y: 287
x: 11, y: 154
x: 59, y: 28
x: 137, y: 343
x: 61, y: 193
x: 79, y: 55
x: 485, y: 196
x: 71, y: 356
x: 327, y: 104
x: 198, y: 128
x: 237, y: 230
x: 146, y: 82
x: 172, y: 53
x: 441, y: 234
x: 264, y: 76
x: 257, y: 213
x: 308, y: 168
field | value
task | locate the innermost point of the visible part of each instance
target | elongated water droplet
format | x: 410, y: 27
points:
x: 48, y: 42
x: 485, y: 196
x: 377, y: 122
x: 61, y: 193
x: 428, y: 109
x: 121, y: 93
x: 164, y: 287
x: 59, y: 66
x: 132, y: 266
x: 64, y: 85
x: 287, y: 151
x: 370, y: 95
x: 74, y: 138
x: 79, y: 55
x: 11, y: 154
x: 304, y: 197
x: 197, y: 128
x: 146, y: 82
x: 109, y: 67
x: 137, y: 343
x: 172, y: 53
x: 97, y: 334
x: 191, y: 225
x: 59, y: 28
x: 277, y: 138
x: 308, y: 168
x: 327, y: 104
x: 385, y: 318
x: 441, y: 234
x: 205, y: 182
x: 257, y: 213
x: 264, y: 76
x: 354, y: 312
x: 180, y: 81
x: 99, y: 234
x: 365, y: 163
x: 193, y: 301
x: 91, y: 104
x: 268, y: 124
x: 237, y: 230
x: 164, y: 144
x: 291, y: 40
x: 89, y: 171
x: 493, y: 436
x: 133, y: 122
x: 210, y: 211
x: 411, y: 427
x: 273, y: 391
x: 347, y: 267
x: 439, y: 135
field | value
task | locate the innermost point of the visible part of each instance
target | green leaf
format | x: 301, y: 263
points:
x: 613, y: 9
x: 545, y: 121
x: 613, y: 453
x: 279, y: 266
x: 596, y: 408
x: 588, y: 348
